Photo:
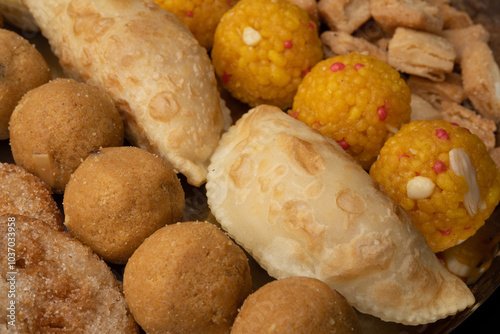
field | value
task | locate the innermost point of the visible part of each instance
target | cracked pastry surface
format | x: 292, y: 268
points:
x: 161, y: 79
x: 302, y: 207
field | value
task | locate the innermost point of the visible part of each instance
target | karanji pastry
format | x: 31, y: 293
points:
x: 302, y: 207
x: 160, y: 78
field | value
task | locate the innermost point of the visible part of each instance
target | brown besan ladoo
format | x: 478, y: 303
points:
x: 188, y: 277
x: 119, y: 196
x: 22, y: 68
x: 296, y: 305
x: 58, y: 124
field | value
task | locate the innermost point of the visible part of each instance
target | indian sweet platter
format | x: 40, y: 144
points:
x: 248, y: 166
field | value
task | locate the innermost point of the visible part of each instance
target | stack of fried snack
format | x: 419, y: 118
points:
x: 445, y: 55
x: 280, y: 193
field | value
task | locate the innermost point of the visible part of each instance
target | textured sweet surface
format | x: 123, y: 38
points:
x: 356, y: 100
x: 118, y: 197
x: 296, y: 305
x: 424, y: 149
x: 61, y: 285
x: 263, y: 48
x: 22, y: 68
x: 187, y: 278
x: 302, y: 207
x: 481, y: 78
x: 23, y: 193
x: 160, y: 78
x: 200, y: 16
x: 58, y: 124
x: 421, y: 53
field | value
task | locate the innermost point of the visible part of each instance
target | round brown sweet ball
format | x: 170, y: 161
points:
x: 119, y: 196
x: 187, y: 278
x: 296, y: 305
x: 22, y: 68
x: 57, y: 125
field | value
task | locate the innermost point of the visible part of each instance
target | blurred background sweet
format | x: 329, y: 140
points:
x: 200, y: 16
x: 262, y: 49
x: 22, y: 68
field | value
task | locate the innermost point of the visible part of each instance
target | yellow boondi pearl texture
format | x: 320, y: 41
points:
x: 263, y: 48
x: 200, y: 16
x: 355, y: 100
x: 422, y: 149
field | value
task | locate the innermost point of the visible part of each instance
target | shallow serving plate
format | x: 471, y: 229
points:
x: 486, y: 289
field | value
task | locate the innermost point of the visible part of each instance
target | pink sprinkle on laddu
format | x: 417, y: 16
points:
x: 382, y: 113
x: 225, y: 78
x: 404, y: 155
x: 337, y: 67
x: 442, y: 134
x: 445, y: 233
x: 438, y: 167
x: 358, y: 66
x: 344, y: 144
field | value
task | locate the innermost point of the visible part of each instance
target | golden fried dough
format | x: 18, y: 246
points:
x: 161, y: 79
x: 187, y: 278
x: 119, y: 196
x: 296, y: 305
x: 415, y: 14
x: 57, y: 125
x: 344, y: 15
x: 421, y: 53
x: 481, y: 80
x: 22, y: 68
x: 61, y: 286
x: 301, y: 206
x: 25, y: 194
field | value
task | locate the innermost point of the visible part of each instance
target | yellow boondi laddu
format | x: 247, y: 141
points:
x: 263, y: 48
x: 200, y: 16
x: 443, y: 176
x: 356, y: 100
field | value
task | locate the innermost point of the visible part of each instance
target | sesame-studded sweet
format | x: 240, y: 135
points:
x: 200, y: 16
x: 262, y: 49
x: 443, y: 176
x: 356, y: 100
